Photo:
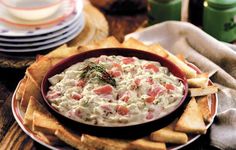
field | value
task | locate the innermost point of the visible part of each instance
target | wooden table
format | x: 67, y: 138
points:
x: 11, y: 135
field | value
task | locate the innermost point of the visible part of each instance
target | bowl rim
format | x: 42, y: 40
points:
x: 8, y: 5
x: 66, y: 60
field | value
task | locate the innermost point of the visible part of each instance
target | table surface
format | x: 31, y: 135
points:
x: 11, y: 135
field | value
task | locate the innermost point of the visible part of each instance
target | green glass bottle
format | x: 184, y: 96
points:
x: 219, y: 19
x: 163, y: 10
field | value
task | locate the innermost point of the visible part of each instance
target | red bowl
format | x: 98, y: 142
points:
x: 117, y: 131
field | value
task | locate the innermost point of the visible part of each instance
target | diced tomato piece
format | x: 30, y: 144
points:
x: 107, y: 89
x: 122, y: 110
x: 149, y: 116
x: 117, y: 66
x: 154, y: 91
x: 81, y: 83
x: 115, y: 73
x: 150, y: 80
x: 125, y: 98
x: 152, y: 67
x: 135, y: 84
x: 76, y: 96
x: 128, y: 60
x: 78, y: 113
x: 169, y: 86
x: 150, y: 99
x: 53, y: 94
x: 70, y: 114
x: 137, y: 81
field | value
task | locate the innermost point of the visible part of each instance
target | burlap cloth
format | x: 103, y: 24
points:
x: 210, y: 56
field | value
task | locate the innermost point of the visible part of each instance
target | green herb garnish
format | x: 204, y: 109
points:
x: 100, y: 71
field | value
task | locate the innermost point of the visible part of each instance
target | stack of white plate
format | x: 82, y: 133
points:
x: 18, y: 35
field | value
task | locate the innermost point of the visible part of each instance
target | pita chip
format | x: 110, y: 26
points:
x: 45, y: 123
x: 157, y: 49
x: 168, y: 135
x: 189, y: 72
x: 191, y: 121
x: 110, y: 42
x: 32, y: 106
x: 104, y: 143
x: 144, y: 144
x: 154, y: 48
x: 198, y: 82
x: 31, y: 89
x: 203, y: 91
x: 204, y: 108
x: 71, y: 139
x: 37, y: 70
x: 133, y: 43
x: 62, y: 52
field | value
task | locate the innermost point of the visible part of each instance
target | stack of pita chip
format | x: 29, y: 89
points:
x: 194, y: 119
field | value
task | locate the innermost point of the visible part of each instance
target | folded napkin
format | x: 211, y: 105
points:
x: 210, y: 56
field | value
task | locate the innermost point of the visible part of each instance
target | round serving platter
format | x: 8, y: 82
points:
x: 19, y: 115
x: 6, y: 31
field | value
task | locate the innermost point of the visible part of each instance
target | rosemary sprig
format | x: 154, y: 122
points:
x: 100, y: 73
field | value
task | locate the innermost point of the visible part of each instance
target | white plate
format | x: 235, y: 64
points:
x: 42, y: 36
x: 18, y: 114
x: 73, y: 29
x: 47, y: 46
x: 6, y: 30
x: 66, y: 8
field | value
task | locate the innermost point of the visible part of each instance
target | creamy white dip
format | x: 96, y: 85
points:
x: 144, y: 91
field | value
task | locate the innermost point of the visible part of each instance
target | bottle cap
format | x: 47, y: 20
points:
x: 222, y: 4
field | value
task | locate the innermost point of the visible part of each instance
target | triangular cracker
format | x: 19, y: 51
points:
x: 203, y: 91
x: 45, y: 123
x: 157, y: 49
x: 191, y: 121
x: 168, y: 135
x: 71, y: 139
x: 31, y: 89
x: 104, y: 143
x: 32, y: 106
x: 144, y: 144
x: 198, y: 82
x: 133, y: 43
x: 204, y: 108
x: 37, y: 70
x: 154, y: 48
x: 62, y: 52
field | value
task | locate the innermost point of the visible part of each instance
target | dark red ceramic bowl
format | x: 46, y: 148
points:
x: 117, y: 131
